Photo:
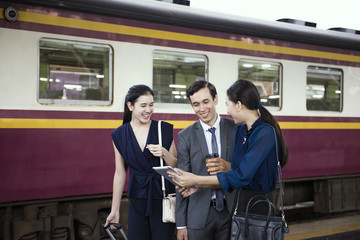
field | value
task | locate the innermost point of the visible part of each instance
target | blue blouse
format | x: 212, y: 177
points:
x: 254, y: 160
x: 144, y: 182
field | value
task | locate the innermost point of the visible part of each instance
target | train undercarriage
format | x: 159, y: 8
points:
x: 71, y: 218
x: 83, y: 217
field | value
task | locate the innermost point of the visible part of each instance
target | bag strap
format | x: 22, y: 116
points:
x: 270, y: 209
x: 161, y: 160
x: 286, y: 229
x: 264, y: 200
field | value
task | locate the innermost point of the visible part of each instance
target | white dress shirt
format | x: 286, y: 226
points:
x: 208, y: 134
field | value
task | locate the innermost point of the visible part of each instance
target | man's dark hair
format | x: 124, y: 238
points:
x: 200, y: 84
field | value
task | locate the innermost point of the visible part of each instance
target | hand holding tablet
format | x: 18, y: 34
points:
x: 163, y: 172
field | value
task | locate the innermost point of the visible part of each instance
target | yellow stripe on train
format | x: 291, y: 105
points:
x: 319, y: 125
x: 73, y: 123
x: 160, y: 34
x: 178, y: 124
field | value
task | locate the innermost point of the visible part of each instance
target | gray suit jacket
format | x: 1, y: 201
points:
x: 191, y: 152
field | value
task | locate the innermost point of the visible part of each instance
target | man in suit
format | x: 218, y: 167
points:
x: 205, y: 214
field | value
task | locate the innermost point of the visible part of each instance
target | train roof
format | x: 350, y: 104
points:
x: 174, y: 14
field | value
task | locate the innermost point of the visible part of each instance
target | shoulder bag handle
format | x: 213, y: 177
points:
x: 161, y: 160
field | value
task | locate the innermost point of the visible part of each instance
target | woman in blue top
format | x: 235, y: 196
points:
x: 254, y: 161
x: 136, y: 147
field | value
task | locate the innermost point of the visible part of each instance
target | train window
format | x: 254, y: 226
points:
x: 324, y: 89
x: 173, y: 73
x: 266, y: 77
x: 74, y: 73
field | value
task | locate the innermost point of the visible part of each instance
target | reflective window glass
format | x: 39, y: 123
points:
x: 324, y: 89
x: 74, y: 73
x: 266, y: 77
x: 173, y: 73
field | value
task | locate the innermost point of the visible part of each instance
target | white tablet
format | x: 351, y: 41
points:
x: 163, y: 171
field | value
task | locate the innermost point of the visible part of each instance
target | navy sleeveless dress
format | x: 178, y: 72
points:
x: 144, y: 189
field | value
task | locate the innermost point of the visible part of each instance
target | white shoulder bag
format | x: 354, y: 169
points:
x: 169, y: 201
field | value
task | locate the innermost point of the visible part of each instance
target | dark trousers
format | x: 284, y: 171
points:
x: 141, y: 227
x: 217, y: 226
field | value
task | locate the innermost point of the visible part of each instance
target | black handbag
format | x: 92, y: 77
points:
x: 259, y: 227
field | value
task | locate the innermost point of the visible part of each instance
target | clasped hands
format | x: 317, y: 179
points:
x: 187, y: 182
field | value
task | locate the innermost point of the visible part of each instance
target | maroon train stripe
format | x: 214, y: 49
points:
x: 44, y: 114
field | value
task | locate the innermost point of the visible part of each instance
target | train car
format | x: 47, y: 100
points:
x: 67, y: 65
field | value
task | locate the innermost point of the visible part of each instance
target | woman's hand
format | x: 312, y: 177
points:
x: 186, y: 179
x: 112, y: 218
x: 168, y: 156
x: 216, y: 165
x: 155, y: 150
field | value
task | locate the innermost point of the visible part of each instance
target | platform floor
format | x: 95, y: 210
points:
x: 344, y: 227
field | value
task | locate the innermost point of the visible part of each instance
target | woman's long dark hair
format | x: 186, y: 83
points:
x: 132, y: 95
x: 247, y: 93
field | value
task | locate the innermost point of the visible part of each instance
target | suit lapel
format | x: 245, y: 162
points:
x: 223, y: 138
x: 201, y: 138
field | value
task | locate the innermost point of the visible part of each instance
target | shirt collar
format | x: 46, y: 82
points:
x: 216, y: 124
x: 257, y: 123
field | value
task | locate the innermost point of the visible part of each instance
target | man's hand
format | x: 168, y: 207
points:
x: 216, y: 165
x: 187, y: 191
x: 182, y: 234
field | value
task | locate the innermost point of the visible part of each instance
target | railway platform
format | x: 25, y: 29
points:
x: 344, y: 226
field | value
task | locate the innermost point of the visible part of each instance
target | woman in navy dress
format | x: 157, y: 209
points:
x: 258, y: 145
x: 136, y: 147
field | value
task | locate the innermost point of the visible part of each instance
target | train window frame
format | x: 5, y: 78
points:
x: 104, y: 75
x: 321, y: 102
x: 179, y: 89
x: 261, y: 88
